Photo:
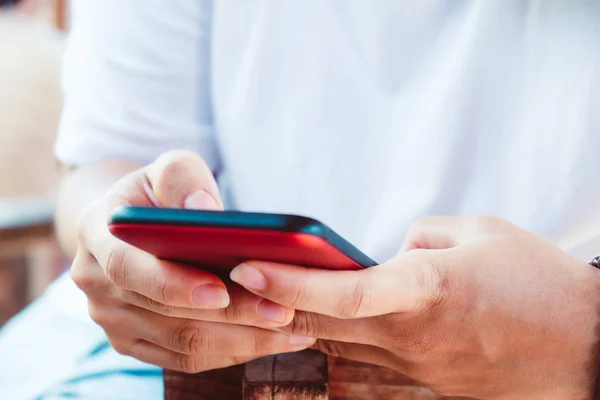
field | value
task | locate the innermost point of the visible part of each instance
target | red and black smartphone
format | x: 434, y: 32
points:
x: 224, y: 239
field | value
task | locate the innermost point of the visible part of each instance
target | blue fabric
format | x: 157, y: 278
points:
x: 50, y: 352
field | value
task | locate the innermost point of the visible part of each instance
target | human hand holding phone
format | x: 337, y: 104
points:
x: 472, y: 307
x: 163, y: 312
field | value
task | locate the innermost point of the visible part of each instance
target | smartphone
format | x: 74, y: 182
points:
x: 219, y: 240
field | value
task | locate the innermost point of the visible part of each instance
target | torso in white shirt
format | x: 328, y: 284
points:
x: 365, y: 114
x: 371, y: 115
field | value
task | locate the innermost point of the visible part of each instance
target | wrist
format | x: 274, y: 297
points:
x: 579, y: 374
x: 595, y: 351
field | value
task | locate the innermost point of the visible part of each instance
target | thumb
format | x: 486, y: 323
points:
x: 404, y: 284
x: 181, y: 179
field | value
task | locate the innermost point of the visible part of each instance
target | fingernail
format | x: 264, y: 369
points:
x: 210, y: 296
x: 249, y: 277
x: 200, y: 200
x: 272, y: 312
x: 301, y: 341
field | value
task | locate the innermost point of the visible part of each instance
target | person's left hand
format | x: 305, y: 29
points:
x: 470, y: 307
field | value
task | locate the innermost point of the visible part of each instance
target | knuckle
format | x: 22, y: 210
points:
x: 120, y: 346
x: 434, y: 283
x: 107, y: 319
x: 157, y: 306
x: 188, y: 338
x: 256, y: 344
x: 82, y: 279
x: 299, y: 295
x: 115, y: 264
x: 330, y: 348
x: 261, y: 343
x: 86, y: 274
x: 303, y: 324
x: 232, y: 313
x: 189, y: 364
x: 160, y: 289
x: 431, y: 280
x: 83, y: 282
x: 416, y: 234
x: 361, y: 296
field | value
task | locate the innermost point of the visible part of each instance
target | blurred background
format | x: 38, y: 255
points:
x: 32, y: 35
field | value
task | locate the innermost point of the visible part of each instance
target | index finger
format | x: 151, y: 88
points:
x: 166, y: 282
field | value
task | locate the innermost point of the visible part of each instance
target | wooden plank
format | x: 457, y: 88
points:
x: 292, y: 376
x: 351, y: 380
x: 298, y: 376
x: 15, y: 242
x: 258, y: 379
x: 13, y: 286
x: 342, y: 370
x: 222, y: 384
x: 15, y: 239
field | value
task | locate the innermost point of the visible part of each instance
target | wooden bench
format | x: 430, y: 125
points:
x: 29, y: 257
x: 307, y: 375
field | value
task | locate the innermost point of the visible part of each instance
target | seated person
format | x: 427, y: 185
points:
x: 369, y: 116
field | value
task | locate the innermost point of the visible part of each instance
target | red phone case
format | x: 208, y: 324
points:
x: 224, y: 248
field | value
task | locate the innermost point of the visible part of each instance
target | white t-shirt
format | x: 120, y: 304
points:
x: 367, y: 115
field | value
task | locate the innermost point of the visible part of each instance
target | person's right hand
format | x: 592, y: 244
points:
x: 162, y: 312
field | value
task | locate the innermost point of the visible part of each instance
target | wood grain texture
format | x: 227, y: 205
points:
x: 293, y: 376
x: 13, y: 286
x: 299, y: 376
x: 17, y: 266
x: 222, y: 384
x: 351, y: 380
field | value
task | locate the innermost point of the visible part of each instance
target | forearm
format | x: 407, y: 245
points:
x: 79, y: 187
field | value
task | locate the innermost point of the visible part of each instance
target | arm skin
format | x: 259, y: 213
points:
x: 78, y: 188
